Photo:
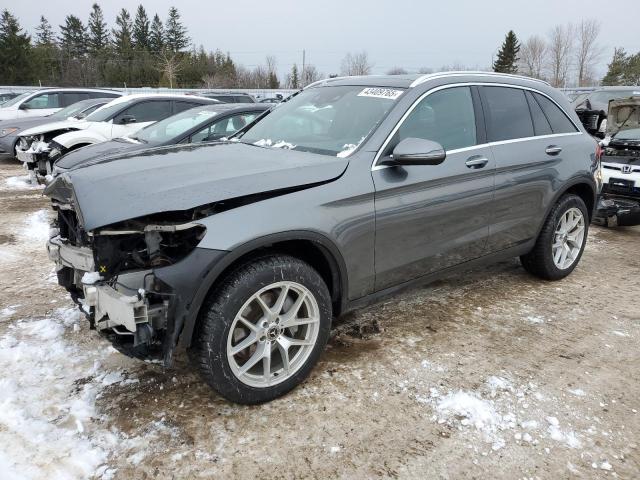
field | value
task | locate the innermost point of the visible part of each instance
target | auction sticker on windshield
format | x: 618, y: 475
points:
x: 381, y: 93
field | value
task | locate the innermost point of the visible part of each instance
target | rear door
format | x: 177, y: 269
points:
x: 432, y: 217
x: 527, y: 151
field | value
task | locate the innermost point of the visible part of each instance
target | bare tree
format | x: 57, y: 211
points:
x: 560, y: 47
x: 533, y: 56
x: 587, y: 52
x: 169, y: 65
x: 356, y: 64
x: 310, y: 75
x: 425, y: 70
x: 397, y: 71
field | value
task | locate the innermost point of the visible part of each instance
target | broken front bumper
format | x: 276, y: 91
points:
x: 617, y: 212
x: 121, y: 309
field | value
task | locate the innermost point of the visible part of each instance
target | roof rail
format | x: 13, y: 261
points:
x: 431, y: 76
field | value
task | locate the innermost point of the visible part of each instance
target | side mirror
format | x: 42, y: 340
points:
x: 23, y: 106
x: 125, y: 119
x: 416, y: 151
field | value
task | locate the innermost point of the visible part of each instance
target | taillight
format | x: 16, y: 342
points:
x: 599, y: 151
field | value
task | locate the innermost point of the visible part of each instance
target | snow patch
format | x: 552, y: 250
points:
x: 37, y: 226
x: 22, y: 182
x: 89, y: 278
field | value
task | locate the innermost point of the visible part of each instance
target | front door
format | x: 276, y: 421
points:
x: 432, y: 217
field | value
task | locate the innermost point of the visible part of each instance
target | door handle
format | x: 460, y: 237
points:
x: 553, y: 150
x: 477, y: 161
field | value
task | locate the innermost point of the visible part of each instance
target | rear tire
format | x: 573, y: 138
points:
x: 561, y: 242
x: 262, y: 329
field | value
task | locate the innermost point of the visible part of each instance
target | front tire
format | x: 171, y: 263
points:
x: 263, y: 329
x: 561, y: 242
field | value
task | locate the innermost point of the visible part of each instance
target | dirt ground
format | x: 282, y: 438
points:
x: 489, y: 374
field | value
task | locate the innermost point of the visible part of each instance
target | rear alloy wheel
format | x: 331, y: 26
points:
x: 569, y: 237
x: 561, y: 241
x: 263, y: 329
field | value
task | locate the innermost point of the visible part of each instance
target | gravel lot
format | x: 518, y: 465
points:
x: 490, y: 374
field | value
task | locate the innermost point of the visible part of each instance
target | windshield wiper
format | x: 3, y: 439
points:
x: 624, y: 123
x: 138, y: 139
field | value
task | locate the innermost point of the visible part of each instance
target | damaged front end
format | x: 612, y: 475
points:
x: 38, y: 153
x: 620, y: 201
x: 116, y: 273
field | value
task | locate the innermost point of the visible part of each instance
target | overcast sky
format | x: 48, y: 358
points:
x: 394, y: 33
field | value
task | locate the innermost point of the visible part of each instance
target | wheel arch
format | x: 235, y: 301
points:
x: 583, y: 187
x: 312, y: 247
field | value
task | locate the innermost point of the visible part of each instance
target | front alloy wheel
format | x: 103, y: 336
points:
x: 262, y: 329
x: 273, y: 334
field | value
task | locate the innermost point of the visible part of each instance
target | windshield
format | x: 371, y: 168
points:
x: 629, y: 134
x: 171, y: 127
x: 107, y: 112
x: 15, y: 100
x: 325, y: 120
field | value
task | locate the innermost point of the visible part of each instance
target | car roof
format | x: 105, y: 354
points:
x: 411, y: 81
x: 175, y: 96
x: 75, y: 89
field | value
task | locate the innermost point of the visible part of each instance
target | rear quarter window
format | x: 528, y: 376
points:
x: 507, y: 114
x: 559, y: 122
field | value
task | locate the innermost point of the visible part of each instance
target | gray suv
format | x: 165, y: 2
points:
x: 242, y: 252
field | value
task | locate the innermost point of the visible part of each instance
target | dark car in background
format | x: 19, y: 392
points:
x: 10, y: 129
x: 243, y: 252
x: 200, y: 124
x: 592, y: 107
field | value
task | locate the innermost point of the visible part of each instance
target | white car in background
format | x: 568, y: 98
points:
x: 47, y: 101
x: 39, y: 147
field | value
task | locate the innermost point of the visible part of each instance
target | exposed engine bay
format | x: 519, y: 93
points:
x: 620, y: 202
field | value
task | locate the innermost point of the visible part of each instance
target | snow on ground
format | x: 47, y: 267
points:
x: 48, y: 421
x: 21, y: 182
x: 37, y: 226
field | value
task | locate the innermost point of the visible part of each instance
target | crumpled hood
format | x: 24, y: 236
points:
x: 184, y: 177
x: 97, y: 153
x: 620, y: 110
x: 53, y: 126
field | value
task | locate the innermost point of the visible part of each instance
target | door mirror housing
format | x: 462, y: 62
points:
x: 126, y: 119
x: 416, y: 151
x: 23, y: 106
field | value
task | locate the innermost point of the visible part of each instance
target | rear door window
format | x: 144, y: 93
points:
x: 182, y: 106
x: 69, y: 98
x: 560, y: 123
x: 446, y: 116
x: 540, y: 122
x: 507, y: 114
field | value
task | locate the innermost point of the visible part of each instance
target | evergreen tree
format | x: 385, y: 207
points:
x: 616, y: 70
x: 73, y: 37
x: 44, y: 33
x: 294, y: 78
x: 15, y: 49
x: 141, y: 29
x: 122, y: 32
x: 507, y: 61
x: 98, y: 33
x: 156, y: 35
x: 176, y: 38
